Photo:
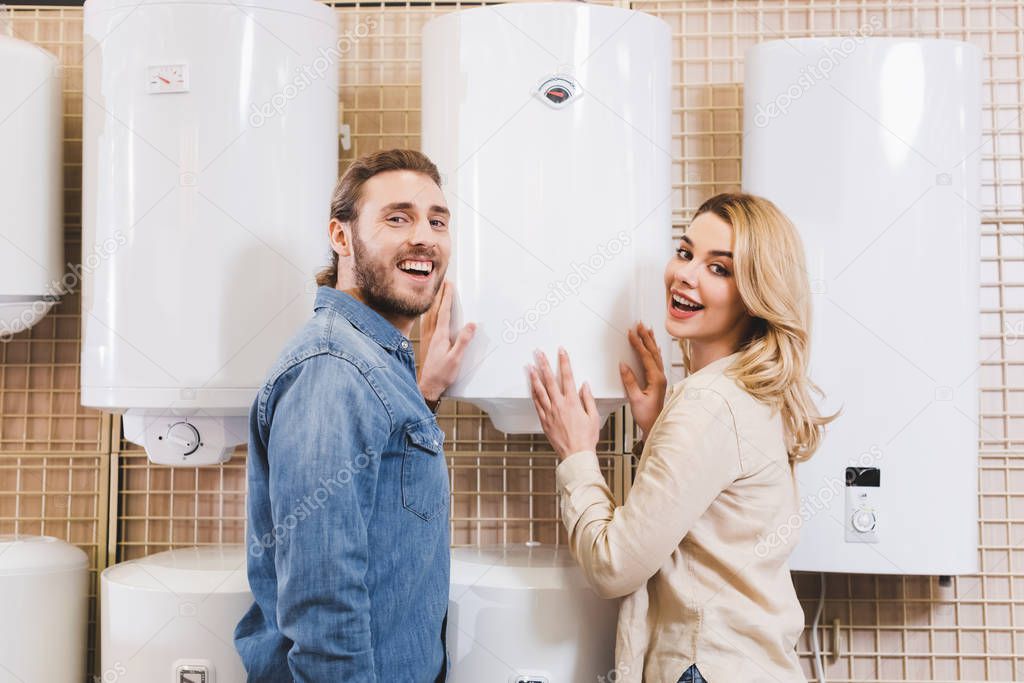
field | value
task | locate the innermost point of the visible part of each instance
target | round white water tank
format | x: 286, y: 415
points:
x: 872, y: 147
x: 174, y: 613
x: 526, y: 611
x: 550, y: 126
x: 210, y: 154
x: 44, y: 590
x: 31, y: 185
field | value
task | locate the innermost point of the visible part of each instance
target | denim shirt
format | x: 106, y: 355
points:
x: 348, y: 541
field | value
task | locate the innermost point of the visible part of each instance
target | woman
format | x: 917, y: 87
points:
x: 706, y: 598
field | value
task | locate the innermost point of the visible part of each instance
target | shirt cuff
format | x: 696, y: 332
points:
x: 579, y: 468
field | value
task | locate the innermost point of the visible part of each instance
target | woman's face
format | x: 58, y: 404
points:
x: 703, y: 302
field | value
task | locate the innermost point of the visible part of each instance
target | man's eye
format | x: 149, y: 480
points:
x: 437, y: 224
x: 396, y: 218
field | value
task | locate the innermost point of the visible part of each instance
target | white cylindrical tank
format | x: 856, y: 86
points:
x: 872, y: 148
x: 44, y: 591
x: 210, y: 153
x: 550, y: 125
x: 526, y: 613
x: 174, y: 613
x: 31, y: 184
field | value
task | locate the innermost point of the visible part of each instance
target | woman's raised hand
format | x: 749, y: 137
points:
x: 645, y: 402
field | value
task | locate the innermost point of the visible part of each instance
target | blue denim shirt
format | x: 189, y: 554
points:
x: 348, y: 501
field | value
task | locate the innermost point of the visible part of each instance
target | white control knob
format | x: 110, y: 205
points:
x: 864, y: 520
x: 184, y: 436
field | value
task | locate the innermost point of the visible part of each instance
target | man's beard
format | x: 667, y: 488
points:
x: 372, y: 281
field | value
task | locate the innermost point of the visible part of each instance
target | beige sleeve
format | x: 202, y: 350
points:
x: 691, y: 456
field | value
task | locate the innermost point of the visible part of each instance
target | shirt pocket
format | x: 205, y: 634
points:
x: 425, y: 490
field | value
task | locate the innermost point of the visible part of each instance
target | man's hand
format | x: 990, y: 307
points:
x: 441, y: 357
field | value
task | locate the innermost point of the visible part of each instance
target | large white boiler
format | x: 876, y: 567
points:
x: 171, y: 616
x: 31, y: 185
x: 525, y: 614
x: 210, y: 153
x: 549, y: 123
x: 871, y: 146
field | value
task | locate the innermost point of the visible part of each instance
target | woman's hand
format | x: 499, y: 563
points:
x: 645, y: 403
x: 570, y: 419
x: 441, y: 357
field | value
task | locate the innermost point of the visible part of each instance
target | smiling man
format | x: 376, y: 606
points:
x: 348, y: 486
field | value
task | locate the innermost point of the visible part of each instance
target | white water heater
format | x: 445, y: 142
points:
x: 525, y: 614
x: 171, y: 617
x: 872, y: 146
x: 31, y: 185
x: 44, y: 591
x: 549, y: 123
x: 210, y: 154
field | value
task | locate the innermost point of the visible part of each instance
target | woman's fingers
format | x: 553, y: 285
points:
x: 547, y: 377
x: 650, y: 343
x: 629, y: 380
x: 565, y: 373
x: 650, y: 359
x: 540, y: 395
x: 587, y: 398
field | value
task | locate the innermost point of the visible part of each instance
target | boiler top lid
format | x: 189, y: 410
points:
x: 530, y: 566
x: 210, y: 569
x: 24, y: 555
x: 306, y: 8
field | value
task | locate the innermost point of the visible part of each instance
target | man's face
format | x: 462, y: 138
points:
x: 401, y: 243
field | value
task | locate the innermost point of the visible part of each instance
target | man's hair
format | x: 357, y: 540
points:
x: 349, y: 190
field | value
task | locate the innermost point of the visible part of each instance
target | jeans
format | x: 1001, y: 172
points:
x: 692, y: 675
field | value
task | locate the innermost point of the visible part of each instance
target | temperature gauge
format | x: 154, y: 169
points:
x: 167, y: 78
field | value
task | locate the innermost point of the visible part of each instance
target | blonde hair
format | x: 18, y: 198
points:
x: 771, y: 276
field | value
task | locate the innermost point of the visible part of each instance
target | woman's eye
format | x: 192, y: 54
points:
x: 682, y: 252
x: 721, y: 269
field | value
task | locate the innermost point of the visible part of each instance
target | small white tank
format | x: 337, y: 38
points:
x: 44, y: 594
x: 31, y: 184
x: 525, y: 613
x: 172, y: 616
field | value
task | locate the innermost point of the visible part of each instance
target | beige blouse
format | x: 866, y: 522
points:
x: 690, y: 547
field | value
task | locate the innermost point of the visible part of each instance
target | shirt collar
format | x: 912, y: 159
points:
x: 716, y: 366
x: 363, y: 318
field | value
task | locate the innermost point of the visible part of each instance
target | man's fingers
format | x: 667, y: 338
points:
x: 444, y: 313
x: 462, y: 341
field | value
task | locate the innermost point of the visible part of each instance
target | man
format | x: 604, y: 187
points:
x: 348, y: 486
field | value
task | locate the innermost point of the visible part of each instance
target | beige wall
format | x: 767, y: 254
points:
x: 65, y: 471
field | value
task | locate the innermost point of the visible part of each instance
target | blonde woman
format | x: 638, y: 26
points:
x: 705, y: 598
